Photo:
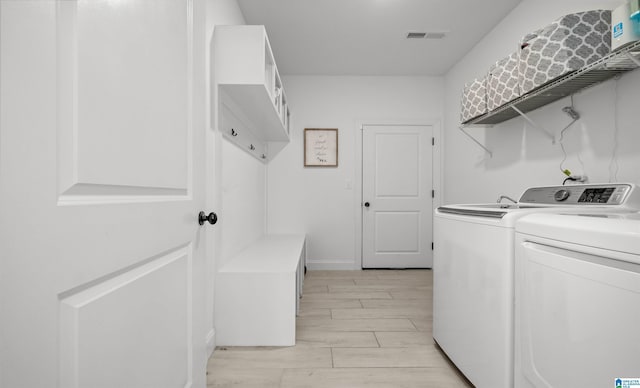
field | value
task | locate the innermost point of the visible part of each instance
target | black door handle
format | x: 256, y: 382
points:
x: 212, y: 218
x: 366, y: 204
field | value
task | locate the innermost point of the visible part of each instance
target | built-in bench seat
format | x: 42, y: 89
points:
x: 258, y: 293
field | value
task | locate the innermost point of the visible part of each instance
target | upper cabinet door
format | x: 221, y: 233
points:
x: 254, y: 110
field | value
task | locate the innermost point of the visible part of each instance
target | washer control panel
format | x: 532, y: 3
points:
x: 604, y: 194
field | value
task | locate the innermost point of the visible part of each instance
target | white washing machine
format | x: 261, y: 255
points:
x: 578, y: 301
x: 473, y: 295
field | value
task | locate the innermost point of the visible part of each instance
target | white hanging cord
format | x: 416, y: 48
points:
x: 575, y: 117
x: 580, y: 161
x: 613, y: 163
x: 578, y: 156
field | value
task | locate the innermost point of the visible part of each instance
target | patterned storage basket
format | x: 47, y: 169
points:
x: 474, y: 99
x: 568, y: 44
x: 502, y: 82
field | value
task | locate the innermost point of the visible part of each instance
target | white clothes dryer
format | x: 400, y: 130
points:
x: 577, y: 301
x: 474, y: 254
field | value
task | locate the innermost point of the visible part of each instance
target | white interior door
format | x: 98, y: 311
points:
x: 101, y: 181
x: 396, y: 196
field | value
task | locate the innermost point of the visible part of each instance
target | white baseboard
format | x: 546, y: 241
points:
x: 332, y: 266
x: 211, y: 342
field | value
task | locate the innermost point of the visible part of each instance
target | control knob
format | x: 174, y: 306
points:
x: 561, y: 195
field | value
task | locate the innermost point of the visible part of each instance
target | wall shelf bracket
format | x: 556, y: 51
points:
x: 633, y: 58
x: 477, y: 142
x: 534, y: 125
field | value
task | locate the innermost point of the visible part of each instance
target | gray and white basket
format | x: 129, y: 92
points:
x: 474, y: 99
x: 502, y: 82
x: 569, y: 43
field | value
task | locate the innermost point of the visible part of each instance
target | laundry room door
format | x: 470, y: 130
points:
x: 102, y: 118
x: 397, y: 213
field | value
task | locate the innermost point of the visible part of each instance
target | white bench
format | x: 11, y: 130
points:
x: 258, y: 293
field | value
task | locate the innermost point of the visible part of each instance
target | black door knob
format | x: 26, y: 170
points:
x: 366, y: 204
x: 212, y: 218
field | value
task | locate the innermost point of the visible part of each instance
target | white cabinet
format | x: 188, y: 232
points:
x: 254, y: 111
x: 258, y: 293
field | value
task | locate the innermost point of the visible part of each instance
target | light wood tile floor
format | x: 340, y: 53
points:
x: 355, y: 329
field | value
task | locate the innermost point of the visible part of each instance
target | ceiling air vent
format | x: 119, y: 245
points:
x: 425, y: 35
x: 434, y: 35
x: 416, y: 35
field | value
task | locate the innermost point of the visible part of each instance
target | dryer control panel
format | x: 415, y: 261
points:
x: 614, y: 194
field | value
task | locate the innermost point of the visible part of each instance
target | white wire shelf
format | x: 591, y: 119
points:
x: 605, y: 68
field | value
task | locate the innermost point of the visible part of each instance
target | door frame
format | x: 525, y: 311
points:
x: 436, y: 170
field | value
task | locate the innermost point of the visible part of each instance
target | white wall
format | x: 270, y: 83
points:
x: 223, y: 12
x: 522, y: 156
x: 316, y: 200
x: 243, y: 207
x: 232, y: 177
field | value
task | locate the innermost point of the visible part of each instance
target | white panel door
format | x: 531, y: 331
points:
x: 101, y: 180
x: 396, y: 196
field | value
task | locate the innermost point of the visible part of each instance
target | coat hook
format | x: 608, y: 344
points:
x: 251, y: 147
x: 233, y: 132
x: 264, y: 156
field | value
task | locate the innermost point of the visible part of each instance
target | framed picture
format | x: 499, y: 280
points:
x: 320, y: 147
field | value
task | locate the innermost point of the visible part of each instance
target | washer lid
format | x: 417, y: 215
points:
x: 616, y: 231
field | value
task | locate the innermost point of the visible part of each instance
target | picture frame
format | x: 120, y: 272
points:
x: 321, y: 147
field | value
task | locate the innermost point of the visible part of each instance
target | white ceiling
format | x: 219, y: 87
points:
x: 367, y: 37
